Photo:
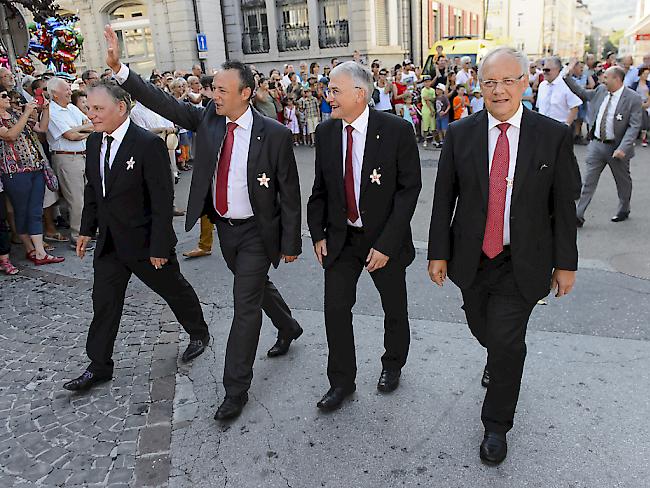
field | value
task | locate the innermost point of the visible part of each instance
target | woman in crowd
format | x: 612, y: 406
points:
x: 178, y: 89
x: 642, y: 87
x: 263, y: 101
x: 22, y: 161
x: 5, y: 238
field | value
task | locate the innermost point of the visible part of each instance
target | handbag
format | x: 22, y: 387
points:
x: 51, y: 181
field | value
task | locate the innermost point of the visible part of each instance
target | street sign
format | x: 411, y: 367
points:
x: 201, y: 43
x: 203, y: 55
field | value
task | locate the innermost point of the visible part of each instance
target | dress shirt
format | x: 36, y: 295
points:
x: 609, y: 123
x: 239, y: 204
x: 62, y: 119
x: 148, y: 119
x: 513, y: 141
x: 555, y: 100
x: 360, y: 125
x: 118, y: 136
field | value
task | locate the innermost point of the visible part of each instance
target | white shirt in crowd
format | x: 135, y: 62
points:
x: 476, y: 104
x: 360, y: 126
x: 513, y: 140
x: 555, y: 100
x: 612, y: 99
x: 462, y: 77
x: 239, y: 204
x: 62, y: 119
x: 384, y: 99
x: 118, y: 136
x: 148, y: 119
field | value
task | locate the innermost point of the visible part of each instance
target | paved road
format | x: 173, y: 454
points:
x: 581, y: 422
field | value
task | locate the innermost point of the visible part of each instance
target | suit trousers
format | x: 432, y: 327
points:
x: 599, y: 155
x: 71, y: 173
x: 243, y: 250
x: 341, y: 279
x: 111, y: 278
x: 497, y: 314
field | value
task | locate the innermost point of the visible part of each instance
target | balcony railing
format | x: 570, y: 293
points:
x: 293, y: 37
x: 255, y: 41
x: 333, y: 34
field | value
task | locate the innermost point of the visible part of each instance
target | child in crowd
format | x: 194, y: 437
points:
x: 291, y: 120
x: 442, y: 114
x: 477, y: 101
x: 300, y: 114
x: 461, y: 103
x: 309, y: 108
x: 409, y: 112
x: 428, y: 96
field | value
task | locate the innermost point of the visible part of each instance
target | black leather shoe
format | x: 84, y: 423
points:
x: 388, y: 380
x: 620, y: 217
x: 333, y: 399
x: 85, y: 382
x: 195, y: 348
x: 485, y: 380
x: 281, y: 346
x: 494, y: 448
x: 231, y: 407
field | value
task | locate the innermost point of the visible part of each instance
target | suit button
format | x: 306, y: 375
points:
x: 363, y: 212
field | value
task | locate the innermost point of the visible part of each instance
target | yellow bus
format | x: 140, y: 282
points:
x: 459, y: 46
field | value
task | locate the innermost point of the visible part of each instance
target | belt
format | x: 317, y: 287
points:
x: 235, y: 222
x: 355, y: 230
x: 70, y: 153
x: 606, y: 141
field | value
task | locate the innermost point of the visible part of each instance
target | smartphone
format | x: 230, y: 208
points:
x: 38, y: 96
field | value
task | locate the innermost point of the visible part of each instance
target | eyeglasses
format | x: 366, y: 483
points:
x: 491, y: 84
x: 335, y: 92
x: 4, y: 95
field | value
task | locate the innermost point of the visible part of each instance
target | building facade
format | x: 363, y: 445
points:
x: 636, y: 41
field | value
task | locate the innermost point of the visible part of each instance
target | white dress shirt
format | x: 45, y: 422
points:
x: 62, y: 119
x: 239, y: 204
x: 148, y: 119
x: 118, y: 136
x: 609, y: 123
x: 360, y: 126
x: 513, y: 140
x: 555, y: 100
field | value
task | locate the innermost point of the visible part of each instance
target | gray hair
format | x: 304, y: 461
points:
x: 510, y: 51
x: 116, y: 92
x: 177, y: 82
x: 554, y: 59
x: 361, y: 76
x: 54, y: 83
x: 618, y: 72
x: 465, y: 59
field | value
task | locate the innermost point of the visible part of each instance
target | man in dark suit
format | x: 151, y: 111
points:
x: 614, y: 119
x: 129, y: 197
x: 366, y: 187
x: 503, y: 227
x: 245, y: 179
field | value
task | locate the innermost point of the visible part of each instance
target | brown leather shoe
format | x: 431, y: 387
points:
x: 196, y: 253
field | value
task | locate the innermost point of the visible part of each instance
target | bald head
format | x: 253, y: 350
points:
x: 614, y: 77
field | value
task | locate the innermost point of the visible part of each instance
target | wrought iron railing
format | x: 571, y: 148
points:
x: 293, y: 37
x: 333, y: 34
x: 255, y: 41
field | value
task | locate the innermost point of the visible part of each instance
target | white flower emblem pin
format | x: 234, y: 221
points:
x: 375, y: 177
x: 619, y: 117
x: 264, y: 180
x: 130, y: 163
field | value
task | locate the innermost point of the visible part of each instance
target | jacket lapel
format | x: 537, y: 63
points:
x: 480, y: 156
x: 216, y: 133
x: 525, y: 153
x: 257, y: 139
x: 123, y: 153
x: 373, y: 140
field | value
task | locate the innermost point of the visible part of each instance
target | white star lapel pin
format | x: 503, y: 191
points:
x: 510, y: 182
x: 619, y: 117
x: 130, y: 163
x: 375, y: 177
x: 264, y: 181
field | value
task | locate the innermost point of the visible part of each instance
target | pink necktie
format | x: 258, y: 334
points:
x: 493, y: 238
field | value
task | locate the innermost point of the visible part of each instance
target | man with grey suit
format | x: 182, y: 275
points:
x: 614, y: 120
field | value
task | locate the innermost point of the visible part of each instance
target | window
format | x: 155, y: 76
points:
x: 255, y: 35
x: 381, y: 21
x: 332, y: 11
x: 132, y: 27
x: 434, y: 28
x: 293, y: 27
x: 458, y: 22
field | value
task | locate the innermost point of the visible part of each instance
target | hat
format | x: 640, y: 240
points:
x: 426, y: 77
x: 476, y: 90
x: 440, y: 86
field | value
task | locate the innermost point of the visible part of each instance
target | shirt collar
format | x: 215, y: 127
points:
x: 245, y: 120
x: 514, y: 121
x: 360, y: 124
x: 119, y: 133
x: 618, y: 92
x: 56, y: 106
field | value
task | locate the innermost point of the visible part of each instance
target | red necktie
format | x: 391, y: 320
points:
x: 223, y: 166
x: 493, y: 238
x: 350, y: 199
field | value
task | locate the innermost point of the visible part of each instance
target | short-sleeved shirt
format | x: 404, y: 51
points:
x: 442, y: 104
x: 62, y: 119
x: 309, y: 107
x: 555, y: 100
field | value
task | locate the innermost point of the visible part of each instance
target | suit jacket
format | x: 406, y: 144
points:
x: 276, y: 208
x: 627, y: 115
x: 139, y: 202
x: 386, y: 209
x: 542, y: 210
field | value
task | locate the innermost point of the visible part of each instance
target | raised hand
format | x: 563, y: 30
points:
x: 113, y: 49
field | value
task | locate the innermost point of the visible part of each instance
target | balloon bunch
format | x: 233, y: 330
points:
x: 55, y: 43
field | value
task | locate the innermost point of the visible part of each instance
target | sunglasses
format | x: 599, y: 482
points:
x: 547, y: 70
x: 4, y: 95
